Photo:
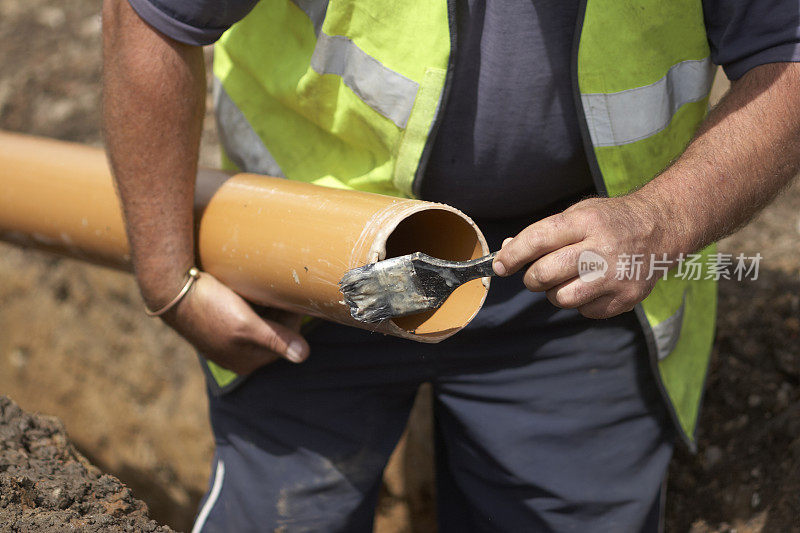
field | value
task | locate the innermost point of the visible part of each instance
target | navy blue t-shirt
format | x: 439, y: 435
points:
x: 509, y: 144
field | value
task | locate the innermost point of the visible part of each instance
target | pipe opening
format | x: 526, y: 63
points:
x: 446, y: 235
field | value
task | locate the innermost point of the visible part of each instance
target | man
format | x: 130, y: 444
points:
x: 547, y: 419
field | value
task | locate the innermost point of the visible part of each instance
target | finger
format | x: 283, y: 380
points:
x: 573, y: 293
x: 606, y: 306
x: 553, y: 269
x: 536, y: 240
x: 281, y: 340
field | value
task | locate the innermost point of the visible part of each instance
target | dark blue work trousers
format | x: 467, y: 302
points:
x: 544, y: 421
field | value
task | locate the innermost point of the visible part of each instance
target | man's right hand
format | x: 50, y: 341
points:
x: 228, y: 331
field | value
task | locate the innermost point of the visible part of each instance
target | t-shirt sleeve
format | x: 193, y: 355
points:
x: 747, y: 33
x: 195, y: 22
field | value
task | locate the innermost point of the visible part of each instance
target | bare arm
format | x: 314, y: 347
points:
x: 743, y: 155
x: 154, y: 101
x: 153, y: 107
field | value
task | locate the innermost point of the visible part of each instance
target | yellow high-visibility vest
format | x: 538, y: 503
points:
x: 348, y: 93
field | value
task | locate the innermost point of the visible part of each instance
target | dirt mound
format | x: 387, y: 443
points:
x: 46, y: 485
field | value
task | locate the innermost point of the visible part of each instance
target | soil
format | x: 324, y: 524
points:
x: 74, y: 342
x: 746, y: 476
x: 47, y: 486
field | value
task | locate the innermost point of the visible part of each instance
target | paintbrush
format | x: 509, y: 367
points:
x: 407, y: 284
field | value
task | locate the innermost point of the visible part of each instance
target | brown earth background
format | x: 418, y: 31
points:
x: 74, y: 342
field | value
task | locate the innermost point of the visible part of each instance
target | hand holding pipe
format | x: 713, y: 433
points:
x: 277, y: 242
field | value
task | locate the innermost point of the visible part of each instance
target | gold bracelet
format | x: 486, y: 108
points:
x: 193, y: 274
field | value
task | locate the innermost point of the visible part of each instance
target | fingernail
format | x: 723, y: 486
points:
x: 294, y: 352
x: 508, y: 240
x: 499, y: 268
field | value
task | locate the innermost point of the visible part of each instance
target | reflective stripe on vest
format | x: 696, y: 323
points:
x: 667, y: 332
x: 240, y: 142
x: 315, y: 10
x: 389, y: 93
x: 634, y: 114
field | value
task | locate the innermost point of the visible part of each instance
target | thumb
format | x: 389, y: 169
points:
x: 282, y: 340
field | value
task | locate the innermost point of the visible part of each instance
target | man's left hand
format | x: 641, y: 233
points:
x: 609, y: 227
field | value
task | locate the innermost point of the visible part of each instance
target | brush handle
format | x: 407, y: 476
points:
x: 475, y: 268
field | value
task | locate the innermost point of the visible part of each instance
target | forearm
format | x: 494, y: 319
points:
x: 745, y: 152
x: 153, y: 105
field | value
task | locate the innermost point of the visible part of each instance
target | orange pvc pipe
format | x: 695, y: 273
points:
x: 276, y: 242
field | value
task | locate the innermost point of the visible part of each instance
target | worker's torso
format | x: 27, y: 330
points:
x: 347, y: 93
x: 509, y: 143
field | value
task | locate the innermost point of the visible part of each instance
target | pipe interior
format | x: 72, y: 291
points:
x: 445, y: 235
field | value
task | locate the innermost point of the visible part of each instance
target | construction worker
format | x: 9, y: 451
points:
x: 563, y: 129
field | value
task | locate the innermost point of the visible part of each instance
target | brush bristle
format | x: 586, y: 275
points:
x: 383, y: 290
x: 359, y: 290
